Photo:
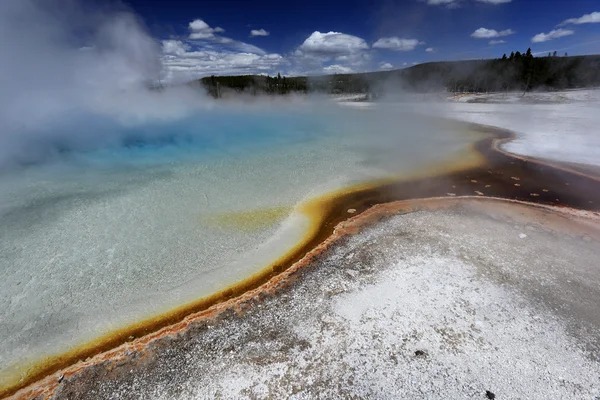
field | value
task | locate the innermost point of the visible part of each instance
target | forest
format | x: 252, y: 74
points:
x: 514, y: 72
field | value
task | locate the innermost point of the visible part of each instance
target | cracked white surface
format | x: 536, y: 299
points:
x: 562, y: 126
x: 477, y: 334
x: 489, y: 311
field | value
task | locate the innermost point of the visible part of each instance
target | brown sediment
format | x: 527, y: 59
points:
x: 553, y: 185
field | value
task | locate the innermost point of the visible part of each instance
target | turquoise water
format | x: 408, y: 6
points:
x: 119, y: 222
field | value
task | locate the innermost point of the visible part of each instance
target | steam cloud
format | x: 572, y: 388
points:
x: 71, y: 69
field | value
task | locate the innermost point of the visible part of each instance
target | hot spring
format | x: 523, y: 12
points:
x: 99, y: 235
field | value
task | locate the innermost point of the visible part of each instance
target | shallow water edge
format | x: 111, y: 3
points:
x: 500, y: 175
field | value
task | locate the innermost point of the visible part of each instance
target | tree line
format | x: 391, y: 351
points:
x: 517, y: 71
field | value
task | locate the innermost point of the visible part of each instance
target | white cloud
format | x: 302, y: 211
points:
x: 345, y: 53
x: 483, y: 33
x: 332, y: 43
x: 429, y: 50
x: 198, y: 25
x: 258, y: 32
x: 494, y: 42
x: 338, y: 69
x: 554, y: 34
x: 494, y: 1
x: 205, y: 36
x: 200, y: 30
x: 593, y: 18
x: 201, y: 35
x: 174, y: 47
x: 219, y: 42
x: 206, y: 53
x: 446, y: 3
x: 396, y: 43
x: 185, y: 61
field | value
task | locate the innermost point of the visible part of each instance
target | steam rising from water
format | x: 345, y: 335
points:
x: 71, y: 69
x: 131, y: 225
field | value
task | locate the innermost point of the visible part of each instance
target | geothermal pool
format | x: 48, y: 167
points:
x: 100, y: 236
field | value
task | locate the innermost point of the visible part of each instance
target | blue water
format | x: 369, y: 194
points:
x: 105, y: 223
x: 101, y: 142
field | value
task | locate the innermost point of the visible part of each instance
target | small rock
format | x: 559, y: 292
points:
x: 351, y: 211
x: 420, y: 353
x: 522, y: 235
x: 490, y: 395
x: 60, y: 378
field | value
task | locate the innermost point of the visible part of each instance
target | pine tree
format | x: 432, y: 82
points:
x: 512, y: 55
x: 554, y: 54
x: 528, y: 54
x: 504, y: 56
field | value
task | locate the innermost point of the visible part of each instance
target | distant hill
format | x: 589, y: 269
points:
x: 518, y: 71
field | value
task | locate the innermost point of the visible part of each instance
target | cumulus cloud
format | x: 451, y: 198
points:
x: 457, y: 3
x: 198, y: 25
x: 332, y: 43
x: 385, y: 65
x: 494, y: 42
x: 429, y: 50
x: 184, y: 61
x: 593, y: 18
x: 175, y: 47
x: 484, y: 33
x: 338, y: 69
x: 554, y: 34
x: 396, y: 43
x: 205, y: 52
x: 200, y: 30
x: 258, y: 32
x: 445, y: 3
x: 494, y: 1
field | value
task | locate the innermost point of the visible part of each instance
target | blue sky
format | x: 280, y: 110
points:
x: 201, y: 38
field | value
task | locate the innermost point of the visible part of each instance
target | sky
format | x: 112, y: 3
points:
x: 225, y: 37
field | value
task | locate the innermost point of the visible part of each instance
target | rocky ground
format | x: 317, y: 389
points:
x: 485, y: 299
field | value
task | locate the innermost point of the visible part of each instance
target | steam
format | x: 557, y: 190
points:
x: 71, y: 70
